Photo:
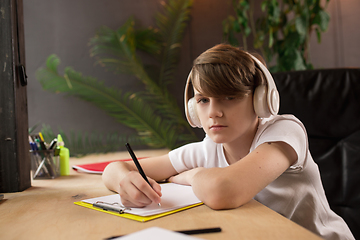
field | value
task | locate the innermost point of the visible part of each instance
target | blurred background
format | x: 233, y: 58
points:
x: 65, y: 28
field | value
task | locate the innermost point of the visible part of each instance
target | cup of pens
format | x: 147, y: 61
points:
x: 45, y: 161
x: 44, y: 164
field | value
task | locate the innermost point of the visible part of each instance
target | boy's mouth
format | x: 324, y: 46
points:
x: 216, y: 127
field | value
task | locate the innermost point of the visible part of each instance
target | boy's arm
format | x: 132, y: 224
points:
x: 233, y: 186
x: 124, y: 178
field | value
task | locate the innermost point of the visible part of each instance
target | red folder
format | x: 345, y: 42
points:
x: 97, y: 168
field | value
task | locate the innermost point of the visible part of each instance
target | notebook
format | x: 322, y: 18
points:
x: 175, y: 198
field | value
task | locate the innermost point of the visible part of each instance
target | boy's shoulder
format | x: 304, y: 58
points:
x: 281, y: 126
x: 276, y: 118
x: 279, y: 120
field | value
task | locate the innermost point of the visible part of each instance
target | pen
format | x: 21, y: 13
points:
x: 33, y: 146
x: 111, y: 207
x: 200, y: 231
x: 42, y: 143
x: 187, y: 232
x: 41, y: 137
x: 53, y: 143
x: 138, y: 166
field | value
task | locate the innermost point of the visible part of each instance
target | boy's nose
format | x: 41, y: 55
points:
x: 215, y: 110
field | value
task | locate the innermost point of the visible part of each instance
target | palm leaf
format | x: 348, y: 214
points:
x: 172, y: 23
x: 122, y: 44
x: 126, y: 108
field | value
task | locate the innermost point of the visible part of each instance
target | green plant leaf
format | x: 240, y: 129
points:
x: 301, y: 26
x: 284, y: 29
x: 126, y: 108
x: 172, y: 23
x: 149, y: 41
x: 322, y: 19
x: 318, y: 34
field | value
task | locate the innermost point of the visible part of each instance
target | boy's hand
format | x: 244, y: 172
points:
x: 185, y: 178
x: 136, y: 192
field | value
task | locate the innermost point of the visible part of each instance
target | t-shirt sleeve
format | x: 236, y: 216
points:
x: 186, y: 157
x: 200, y: 154
x: 291, y: 132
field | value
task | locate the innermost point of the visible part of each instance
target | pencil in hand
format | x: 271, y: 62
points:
x: 138, y: 166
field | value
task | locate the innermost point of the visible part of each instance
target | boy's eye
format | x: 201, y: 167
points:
x: 229, y: 98
x: 202, y: 100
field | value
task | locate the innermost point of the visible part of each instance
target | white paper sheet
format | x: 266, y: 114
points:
x: 174, y: 196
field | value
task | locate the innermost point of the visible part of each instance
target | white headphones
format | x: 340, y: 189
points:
x: 266, y: 98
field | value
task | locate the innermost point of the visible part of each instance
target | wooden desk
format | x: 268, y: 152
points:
x: 46, y: 211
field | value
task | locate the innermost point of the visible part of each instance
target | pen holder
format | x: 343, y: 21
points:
x: 44, y: 164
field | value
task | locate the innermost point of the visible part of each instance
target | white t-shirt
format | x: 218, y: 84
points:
x: 297, y: 194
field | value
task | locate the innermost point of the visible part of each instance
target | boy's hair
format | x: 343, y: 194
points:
x: 224, y: 70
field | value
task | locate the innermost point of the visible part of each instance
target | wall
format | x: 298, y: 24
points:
x: 339, y: 46
x: 65, y: 27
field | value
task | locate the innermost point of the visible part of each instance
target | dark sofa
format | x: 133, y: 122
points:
x: 328, y: 103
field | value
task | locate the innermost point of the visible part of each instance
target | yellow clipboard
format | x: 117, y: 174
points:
x: 136, y: 217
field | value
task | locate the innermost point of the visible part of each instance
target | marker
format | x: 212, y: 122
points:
x: 138, y: 166
x: 64, y: 157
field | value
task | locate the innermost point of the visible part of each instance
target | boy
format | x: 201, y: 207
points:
x: 249, y: 151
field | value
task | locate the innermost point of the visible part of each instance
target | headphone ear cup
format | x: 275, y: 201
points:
x: 266, y: 98
x: 261, y: 105
x: 193, y: 118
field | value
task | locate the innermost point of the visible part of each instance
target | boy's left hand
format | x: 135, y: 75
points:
x: 185, y: 178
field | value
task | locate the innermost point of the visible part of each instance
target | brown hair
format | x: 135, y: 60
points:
x: 224, y: 70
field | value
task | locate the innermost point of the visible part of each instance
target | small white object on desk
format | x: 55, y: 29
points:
x: 156, y: 233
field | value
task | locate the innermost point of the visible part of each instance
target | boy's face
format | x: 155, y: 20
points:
x: 227, y: 120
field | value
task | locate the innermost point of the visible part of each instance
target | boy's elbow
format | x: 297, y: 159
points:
x: 220, y: 194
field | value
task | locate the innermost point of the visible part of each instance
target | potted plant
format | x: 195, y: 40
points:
x: 282, y: 33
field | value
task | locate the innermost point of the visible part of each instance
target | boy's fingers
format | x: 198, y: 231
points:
x: 130, y: 191
x: 146, y: 193
x: 155, y: 186
x: 132, y: 197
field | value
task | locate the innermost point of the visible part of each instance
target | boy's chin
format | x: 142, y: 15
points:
x: 218, y: 139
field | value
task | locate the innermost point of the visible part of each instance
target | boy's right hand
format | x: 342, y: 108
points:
x: 136, y: 192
